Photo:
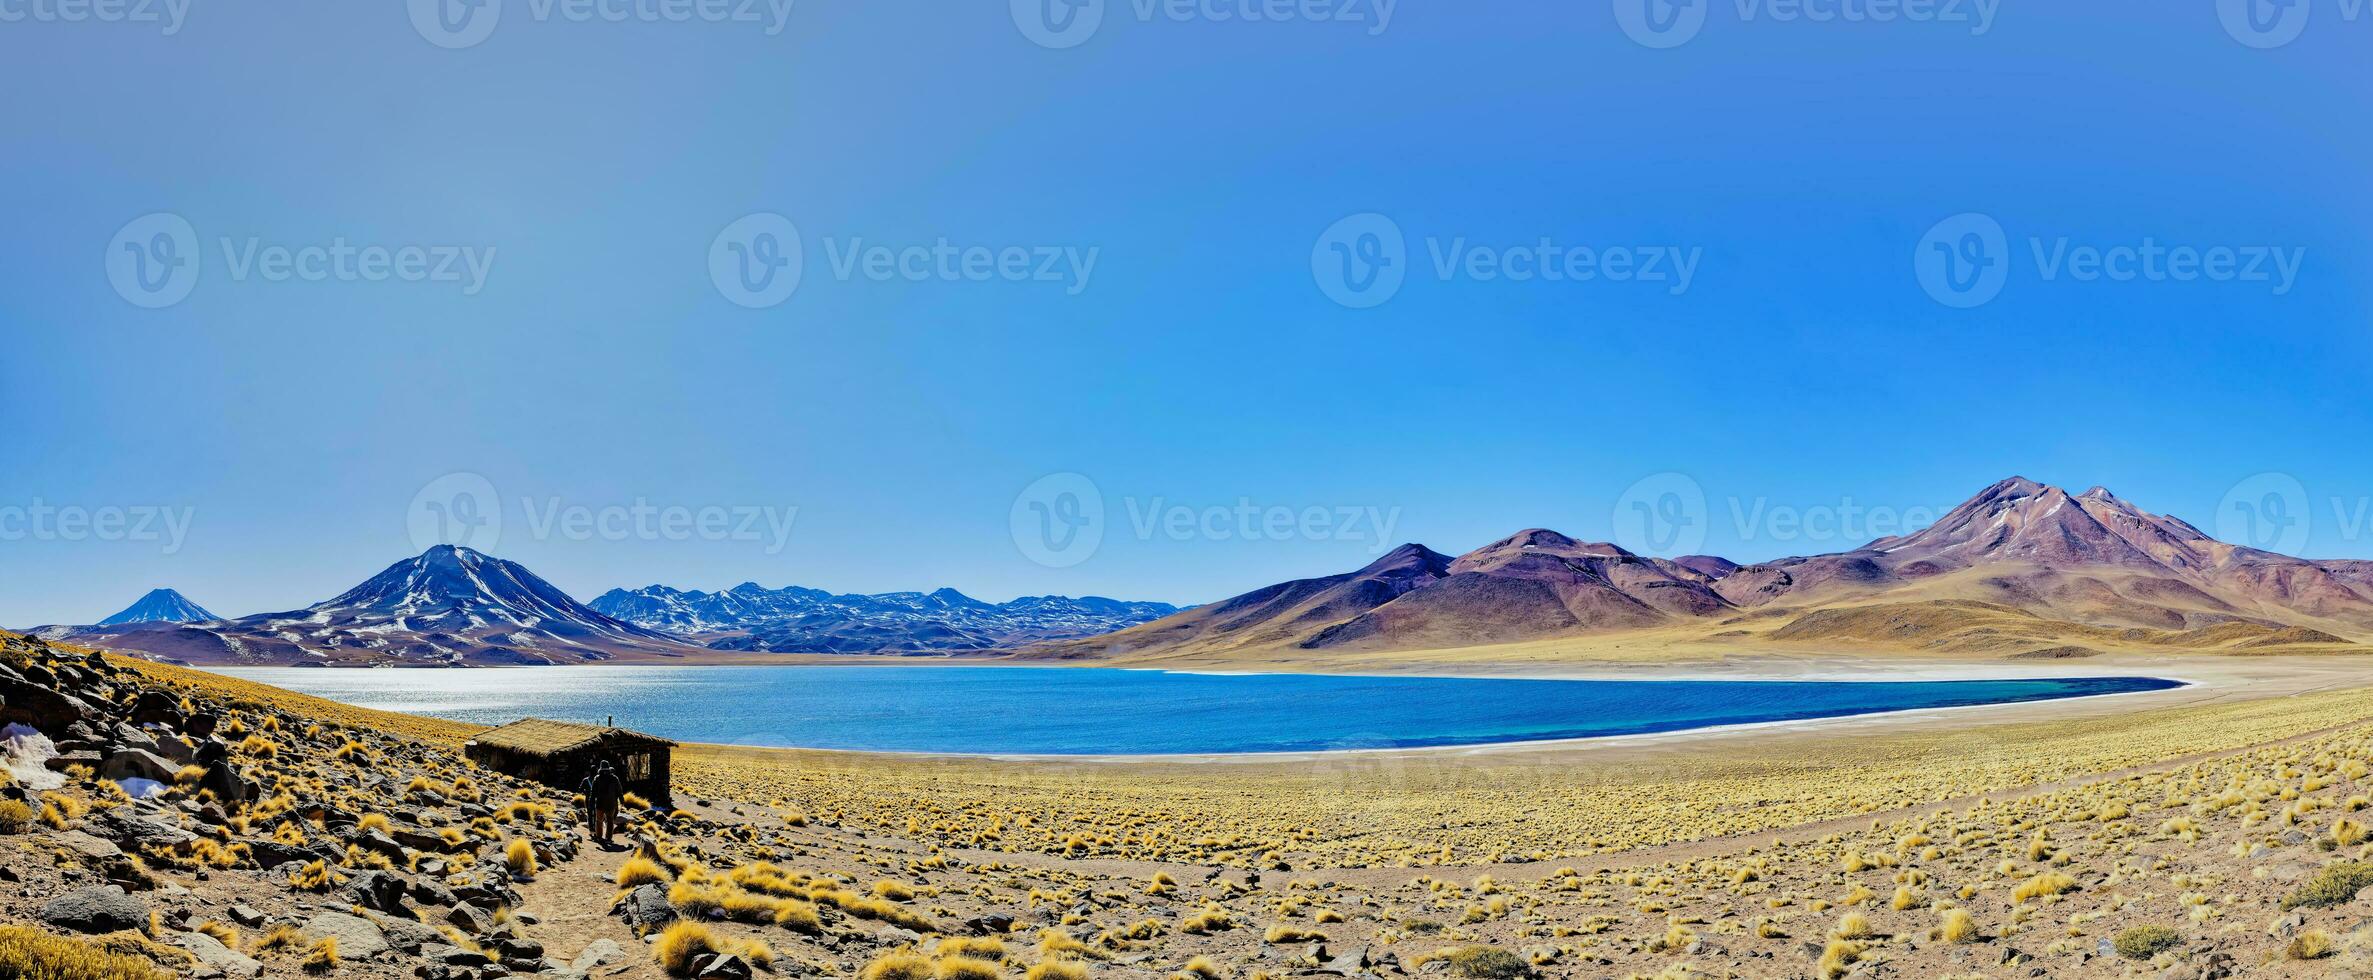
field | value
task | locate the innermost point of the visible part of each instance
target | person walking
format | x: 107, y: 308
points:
x: 602, y: 791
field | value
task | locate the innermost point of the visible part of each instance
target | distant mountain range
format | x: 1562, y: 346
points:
x: 448, y: 605
x: 456, y: 606
x: 2020, y: 569
x: 800, y: 620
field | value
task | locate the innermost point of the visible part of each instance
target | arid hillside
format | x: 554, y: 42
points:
x: 2020, y: 569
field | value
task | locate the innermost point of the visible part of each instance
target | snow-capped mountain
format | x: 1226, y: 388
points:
x: 802, y: 620
x: 160, y: 606
x: 447, y: 605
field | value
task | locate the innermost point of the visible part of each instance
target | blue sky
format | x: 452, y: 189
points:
x: 1235, y: 423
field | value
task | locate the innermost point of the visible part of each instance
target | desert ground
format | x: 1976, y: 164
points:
x: 2218, y: 829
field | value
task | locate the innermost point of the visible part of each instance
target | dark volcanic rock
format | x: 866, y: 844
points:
x: 103, y: 909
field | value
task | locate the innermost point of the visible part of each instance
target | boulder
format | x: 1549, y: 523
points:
x: 137, y: 833
x: 89, y: 848
x: 156, y: 708
x: 34, y: 704
x: 358, y: 938
x: 600, y: 952
x: 647, y: 908
x: 379, y: 891
x: 721, y: 966
x: 101, y: 909
x: 409, y: 936
x: 133, y: 763
x: 211, y: 953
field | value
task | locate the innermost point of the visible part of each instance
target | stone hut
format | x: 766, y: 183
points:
x: 561, y: 754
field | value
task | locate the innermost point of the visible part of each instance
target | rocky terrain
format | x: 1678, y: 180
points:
x: 163, y: 822
x: 2019, y: 569
x: 800, y: 620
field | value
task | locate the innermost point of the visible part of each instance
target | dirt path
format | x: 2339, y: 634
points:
x: 571, y: 904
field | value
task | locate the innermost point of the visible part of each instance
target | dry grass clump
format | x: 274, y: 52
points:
x: 281, y: 937
x: 322, y: 956
x: 903, y: 964
x: 15, y: 817
x: 1957, y: 926
x: 683, y: 943
x: 2311, y: 944
x: 1283, y: 933
x: 1054, y: 970
x: 1838, y: 958
x: 977, y: 947
x: 1210, y: 920
x: 2045, y: 885
x: 30, y: 954
x: 315, y: 876
x: 1486, y: 963
x: 968, y: 968
x: 2144, y: 942
x: 639, y: 871
x: 520, y: 857
x: 2333, y: 885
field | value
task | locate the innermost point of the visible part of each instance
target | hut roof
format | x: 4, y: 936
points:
x: 537, y: 736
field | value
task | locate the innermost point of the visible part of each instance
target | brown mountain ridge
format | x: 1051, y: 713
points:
x: 2022, y: 568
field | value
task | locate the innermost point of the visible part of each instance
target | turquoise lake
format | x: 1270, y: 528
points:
x: 1095, y: 711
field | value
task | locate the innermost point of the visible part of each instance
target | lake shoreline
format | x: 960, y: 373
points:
x: 1124, y: 714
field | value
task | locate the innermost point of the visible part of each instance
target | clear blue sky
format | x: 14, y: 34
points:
x: 1200, y: 364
